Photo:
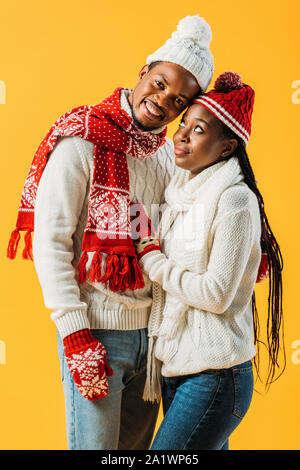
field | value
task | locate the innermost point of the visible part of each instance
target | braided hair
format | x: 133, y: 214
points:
x: 269, y: 245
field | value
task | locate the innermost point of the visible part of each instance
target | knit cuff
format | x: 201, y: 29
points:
x: 70, y: 322
x: 148, y: 249
x: 148, y: 258
x: 78, y: 340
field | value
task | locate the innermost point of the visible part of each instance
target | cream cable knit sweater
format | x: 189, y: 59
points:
x: 208, y: 277
x: 61, y: 212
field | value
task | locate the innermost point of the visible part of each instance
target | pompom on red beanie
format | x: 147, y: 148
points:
x: 232, y: 102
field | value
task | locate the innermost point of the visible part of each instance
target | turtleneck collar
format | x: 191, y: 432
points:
x: 193, y: 183
x: 183, y: 190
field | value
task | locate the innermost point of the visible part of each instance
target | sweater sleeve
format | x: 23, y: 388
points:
x: 60, y: 196
x: 215, y: 289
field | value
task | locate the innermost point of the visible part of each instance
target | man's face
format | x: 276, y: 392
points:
x: 161, y: 94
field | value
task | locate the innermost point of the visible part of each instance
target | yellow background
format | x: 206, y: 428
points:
x: 56, y: 55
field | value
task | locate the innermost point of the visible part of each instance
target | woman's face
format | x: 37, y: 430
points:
x: 199, y: 141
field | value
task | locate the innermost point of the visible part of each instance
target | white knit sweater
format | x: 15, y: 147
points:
x: 209, y: 276
x: 61, y: 211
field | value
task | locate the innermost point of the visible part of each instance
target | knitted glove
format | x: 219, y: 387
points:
x: 142, y: 230
x: 263, y: 270
x: 86, y: 359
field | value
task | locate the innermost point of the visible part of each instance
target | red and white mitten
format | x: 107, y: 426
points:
x: 263, y: 270
x: 86, y: 359
x: 143, y: 233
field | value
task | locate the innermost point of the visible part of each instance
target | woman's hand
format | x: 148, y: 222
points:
x: 143, y: 233
x: 145, y: 245
x: 263, y: 270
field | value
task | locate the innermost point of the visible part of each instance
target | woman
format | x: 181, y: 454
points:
x: 213, y: 234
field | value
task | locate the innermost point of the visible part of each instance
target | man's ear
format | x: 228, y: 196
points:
x: 143, y: 72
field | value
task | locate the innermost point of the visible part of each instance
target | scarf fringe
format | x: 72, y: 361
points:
x: 152, y: 390
x: 114, y: 278
x: 82, y: 275
x: 125, y: 272
x: 95, y: 272
x: 138, y: 275
x: 27, y: 251
x: 122, y: 271
x: 14, y: 242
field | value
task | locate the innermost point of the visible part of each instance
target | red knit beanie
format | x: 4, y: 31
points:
x: 232, y: 102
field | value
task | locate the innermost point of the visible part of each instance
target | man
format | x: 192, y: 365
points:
x: 90, y: 312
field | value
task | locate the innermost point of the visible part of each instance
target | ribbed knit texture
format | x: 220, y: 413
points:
x: 60, y: 218
x: 78, y: 340
x: 188, y: 47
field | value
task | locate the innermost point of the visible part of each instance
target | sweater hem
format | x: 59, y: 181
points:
x: 95, y: 318
x: 168, y: 371
x: 118, y: 319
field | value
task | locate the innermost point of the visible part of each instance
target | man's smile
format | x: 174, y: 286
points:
x: 152, y: 111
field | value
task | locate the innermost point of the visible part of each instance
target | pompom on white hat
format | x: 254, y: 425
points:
x: 189, y: 47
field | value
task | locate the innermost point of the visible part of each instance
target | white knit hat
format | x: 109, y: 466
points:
x: 189, y: 47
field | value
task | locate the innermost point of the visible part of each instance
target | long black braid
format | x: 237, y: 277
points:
x: 269, y: 245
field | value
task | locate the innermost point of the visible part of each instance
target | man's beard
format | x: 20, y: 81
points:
x: 139, y: 125
x: 135, y: 120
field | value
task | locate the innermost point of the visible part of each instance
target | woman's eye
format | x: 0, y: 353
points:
x: 198, y: 129
x: 181, y: 124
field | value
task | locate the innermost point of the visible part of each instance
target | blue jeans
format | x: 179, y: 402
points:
x: 122, y: 420
x: 202, y: 410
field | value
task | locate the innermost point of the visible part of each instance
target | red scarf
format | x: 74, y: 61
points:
x: 108, y: 227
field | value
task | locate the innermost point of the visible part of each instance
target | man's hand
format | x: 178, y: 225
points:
x: 86, y: 359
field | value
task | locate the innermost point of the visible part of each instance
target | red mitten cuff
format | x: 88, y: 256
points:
x: 78, y: 340
x: 263, y: 270
x: 146, y: 245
